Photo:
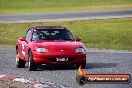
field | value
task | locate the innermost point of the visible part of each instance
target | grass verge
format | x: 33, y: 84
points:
x: 109, y: 34
x: 30, y: 6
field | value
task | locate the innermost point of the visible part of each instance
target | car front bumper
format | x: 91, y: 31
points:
x: 50, y: 58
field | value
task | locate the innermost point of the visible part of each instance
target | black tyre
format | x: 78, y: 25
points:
x: 19, y: 62
x: 31, y: 65
x: 83, y: 65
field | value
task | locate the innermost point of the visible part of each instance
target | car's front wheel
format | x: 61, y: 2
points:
x: 19, y: 62
x: 31, y: 65
x: 83, y: 65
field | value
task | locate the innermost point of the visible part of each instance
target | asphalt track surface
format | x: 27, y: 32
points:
x: 98, y: 62
x: 64, y: 16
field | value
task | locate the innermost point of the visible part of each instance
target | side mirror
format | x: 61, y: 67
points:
x: 78, y: 39
x: 22, y: 38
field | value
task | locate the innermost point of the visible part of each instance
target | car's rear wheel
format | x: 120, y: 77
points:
x: 19, y: 62
x: 31, y: 64
x: 83, y: 65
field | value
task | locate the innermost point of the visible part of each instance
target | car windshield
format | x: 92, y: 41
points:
x: 52, y: 34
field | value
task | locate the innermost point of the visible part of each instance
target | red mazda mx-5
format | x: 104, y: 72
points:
x: 52, y: 45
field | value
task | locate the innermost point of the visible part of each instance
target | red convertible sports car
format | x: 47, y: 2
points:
x: 52, y: 45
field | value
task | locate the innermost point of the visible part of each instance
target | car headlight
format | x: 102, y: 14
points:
x: 81, y: 50
x: 41, y: 50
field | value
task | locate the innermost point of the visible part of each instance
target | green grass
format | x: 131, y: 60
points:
x: 112, y: 33
x: 29, y: 6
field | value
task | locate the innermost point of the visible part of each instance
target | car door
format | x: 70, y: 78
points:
x: 25, y: 44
